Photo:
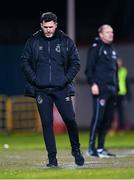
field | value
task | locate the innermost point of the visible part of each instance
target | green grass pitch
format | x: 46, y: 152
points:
x: 26, y: 158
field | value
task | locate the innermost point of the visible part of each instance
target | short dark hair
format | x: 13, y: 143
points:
x: 48, y: 16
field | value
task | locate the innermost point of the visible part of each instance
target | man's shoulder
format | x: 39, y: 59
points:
x: 65, y: 39
x: 94, y: 46
x: 36, y: 34
x: 96, y: 43
x: 63, y: 35
x: 34, y: 37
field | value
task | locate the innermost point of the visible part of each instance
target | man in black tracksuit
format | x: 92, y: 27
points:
x: 50, y: 61
x: 101, y: 73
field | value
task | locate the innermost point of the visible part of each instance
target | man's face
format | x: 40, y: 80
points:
x: 107, y: 34
x: 48, y: 28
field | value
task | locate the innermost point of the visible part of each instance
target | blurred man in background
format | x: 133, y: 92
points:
x: 50, y: 61
x: 123, y: 96
x: 101, y: 74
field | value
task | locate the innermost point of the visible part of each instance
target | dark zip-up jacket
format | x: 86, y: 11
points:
x: 49, y: 62
x: 101, y: 67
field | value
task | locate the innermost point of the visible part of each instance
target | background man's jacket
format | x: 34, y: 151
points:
x: 101, y: 67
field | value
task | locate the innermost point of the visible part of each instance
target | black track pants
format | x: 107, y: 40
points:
x: 65, y: 107
x: 103, y: 107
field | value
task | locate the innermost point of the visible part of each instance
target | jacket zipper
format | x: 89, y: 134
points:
x: 50, y: 68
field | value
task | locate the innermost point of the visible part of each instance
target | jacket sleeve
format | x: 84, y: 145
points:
x: 26, y: 63
x: 92, y: 57
x: 73, y: 61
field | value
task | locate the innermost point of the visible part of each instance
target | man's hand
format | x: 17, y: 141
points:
x: 95, y: 89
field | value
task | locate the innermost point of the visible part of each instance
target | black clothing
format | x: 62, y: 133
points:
x: 101, y: 69
x: 50, y: 65
x: 49, y: 62
x: 103, y: 106
x: 64, y: 105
